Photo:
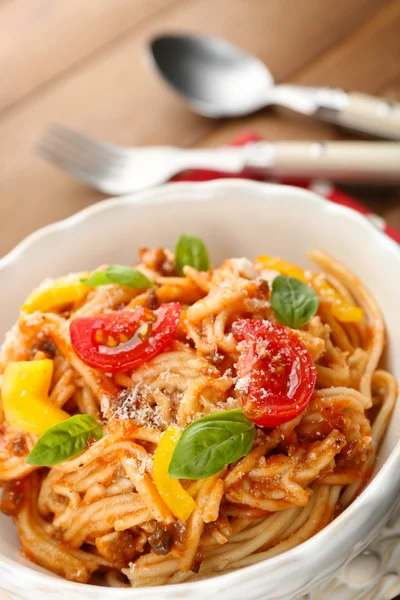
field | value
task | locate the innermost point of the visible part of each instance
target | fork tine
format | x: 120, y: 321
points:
x: 105, y: 167
x: 84, y: 156
x: 104, y: 172
x: 64, y: 159
x: 76, y: 137
x: 88, y: 176
x: 61, y: 156
x: 84, y: 163
x: 87, y: 149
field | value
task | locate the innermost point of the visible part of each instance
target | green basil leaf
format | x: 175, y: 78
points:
x: 191, y: 250
x: 293, y: 301
x: 210, y: 443
x: 119, y: 274
x: 64, y: 440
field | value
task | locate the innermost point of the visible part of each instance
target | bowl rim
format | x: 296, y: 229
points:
x: 306, y: 551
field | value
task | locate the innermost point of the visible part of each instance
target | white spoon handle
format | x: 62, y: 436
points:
x: 367, y: 114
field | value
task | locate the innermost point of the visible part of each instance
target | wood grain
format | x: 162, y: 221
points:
x: 365, y: 61
x: 113, y: 94
x: 41, y: 39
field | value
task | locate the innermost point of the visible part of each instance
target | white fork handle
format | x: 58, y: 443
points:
x: 365, y: 113
x: 377, y: 162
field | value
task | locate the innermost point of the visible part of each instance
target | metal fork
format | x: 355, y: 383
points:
x: 116, y: 170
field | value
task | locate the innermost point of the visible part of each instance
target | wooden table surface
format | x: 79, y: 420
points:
x: 84, y: 64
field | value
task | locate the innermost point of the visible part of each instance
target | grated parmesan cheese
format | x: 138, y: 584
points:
x: 269, y: 275
x: 242, y: 384
x: 134, y: 405
x: 11, y: 339
x: 244, y: 267
x: 165, y: 374
x: 33, y: 319
x: 232, y: 403
x: 257, y: 304
x: 142, y: 464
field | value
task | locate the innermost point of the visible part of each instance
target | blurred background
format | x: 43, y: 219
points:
x: 85, y: 64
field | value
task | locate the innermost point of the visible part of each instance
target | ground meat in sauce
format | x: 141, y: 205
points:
x: 12, y: 497
x: 195, y: 567
x: 197, y: 562
x: 152, y: 301
x: 215, y: 358
x: 354, y: 454
x: 19, y: 446
x: 179, y: 532
x: 160, y: 541
x: 263, y: 288
x: 158, y: 260
x: 120, y: 548
x: 45, y: 345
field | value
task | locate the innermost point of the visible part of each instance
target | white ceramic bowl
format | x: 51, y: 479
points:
x: 235, y: 218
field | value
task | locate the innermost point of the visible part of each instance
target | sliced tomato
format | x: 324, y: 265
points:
x: 276, y: 373
x: 126, y: 339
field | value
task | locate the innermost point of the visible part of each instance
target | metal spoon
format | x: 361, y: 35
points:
x: 218, y: 79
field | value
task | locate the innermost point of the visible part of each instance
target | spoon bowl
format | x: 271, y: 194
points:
x: 216, y: 78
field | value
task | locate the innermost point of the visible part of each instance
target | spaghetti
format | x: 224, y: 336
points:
x: 103, y: 514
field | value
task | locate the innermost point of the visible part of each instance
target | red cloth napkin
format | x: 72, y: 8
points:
x: 323, y: 188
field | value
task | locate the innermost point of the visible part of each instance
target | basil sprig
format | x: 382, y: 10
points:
x: 293, y: 301
x: 210, y: 443
x: 64, y: 440
x: 119, y: 274
x: 191, y: 250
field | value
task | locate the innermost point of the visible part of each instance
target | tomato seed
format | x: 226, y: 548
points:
x: 111, y: 342
x: 143, y: 331
x: 98, y: 336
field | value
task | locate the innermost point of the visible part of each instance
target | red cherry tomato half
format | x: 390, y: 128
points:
x: 126, y: 339
x: 276, y: 372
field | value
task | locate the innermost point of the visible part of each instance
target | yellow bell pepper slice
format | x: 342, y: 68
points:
x: 347, y: 313
x: 277, y: 264
x: 56, y: 293
x: 343, y: 311
x: 25, y: 394
x: 180, y: 503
